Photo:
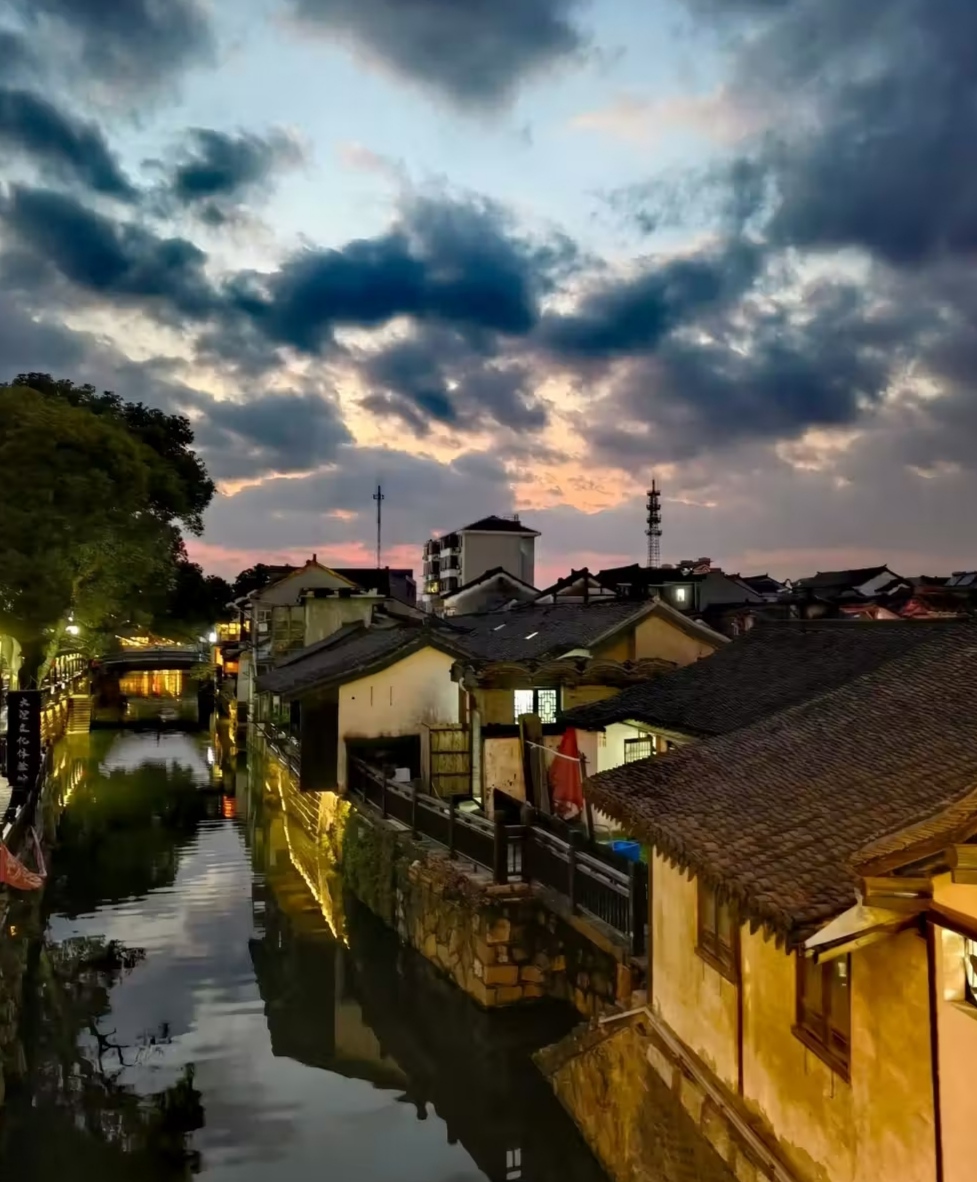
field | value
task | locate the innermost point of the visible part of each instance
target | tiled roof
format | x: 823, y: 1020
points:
x: 352, y: 652
x: 500, y: 525
x: 775, y: 665
x: 778, y: 814
x: 540, y: 630
x: 842, y: 578
x: 494, y: 573
x: 764, y: 584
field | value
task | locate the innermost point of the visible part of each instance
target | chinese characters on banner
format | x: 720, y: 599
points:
x: 23, y: 738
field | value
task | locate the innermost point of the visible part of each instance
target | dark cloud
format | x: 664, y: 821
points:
x: 438, y: 375
x: 445, y: 261
x: 456, y: 264
x: 825, y: 369
x: 61, y: 144
x: 125, y: 45
x: 882, y: 158
x: 217, y: 170
x: 268, y: 433
x: 108, y: 257
x: 632, y: 316
x: 16, y: 56
x: 476, y: 53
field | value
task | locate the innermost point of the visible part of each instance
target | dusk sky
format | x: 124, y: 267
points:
x: 516, y: 256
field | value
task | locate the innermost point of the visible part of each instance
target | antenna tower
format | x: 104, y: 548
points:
x: 379, y: 498
x: 654, y: 530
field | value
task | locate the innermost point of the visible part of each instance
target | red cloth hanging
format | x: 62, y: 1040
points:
x: 14, y: 873
x: 566, y: 788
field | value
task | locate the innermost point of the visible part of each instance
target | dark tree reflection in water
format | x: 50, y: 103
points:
x: 83, y: 1120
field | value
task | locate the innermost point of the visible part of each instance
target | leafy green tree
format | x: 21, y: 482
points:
x: 84, y: 526
x: 179, y: 487
x: 193, y: 603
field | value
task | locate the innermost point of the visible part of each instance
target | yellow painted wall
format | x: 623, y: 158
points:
x: 496, y: 706
x: 657, y: 637
x: 323, y: 617
x: 397, y: 701
x: 957, y: 1033
x: 502, y: 768
x: 879, y: 1126
x: 696, y: 1001
x: 502, y: 765
x: 891, y: 1064
x: 621, y: 648
x: 806, y: 1104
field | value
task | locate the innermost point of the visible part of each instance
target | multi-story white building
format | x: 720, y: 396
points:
x: 454, y: 560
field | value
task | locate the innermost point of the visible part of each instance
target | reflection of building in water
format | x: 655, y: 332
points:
x: 155, y: 683
x: 299, y: 967
x: 376, y: 1011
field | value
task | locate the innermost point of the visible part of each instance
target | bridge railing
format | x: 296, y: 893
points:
x: 592, y: 882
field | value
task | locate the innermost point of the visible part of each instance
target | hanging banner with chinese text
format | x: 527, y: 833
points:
x: 23, y: 738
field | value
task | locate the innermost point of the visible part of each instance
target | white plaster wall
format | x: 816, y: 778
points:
x: 610, y: 752
x: 397, y: 701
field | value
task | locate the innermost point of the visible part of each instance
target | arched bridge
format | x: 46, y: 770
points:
x: 170, y: 657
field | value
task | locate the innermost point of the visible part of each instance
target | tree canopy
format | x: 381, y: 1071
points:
x: 94, y: 494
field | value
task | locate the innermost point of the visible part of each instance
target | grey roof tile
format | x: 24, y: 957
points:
x: 775, y: 665
x: 779, y: 813
x: 533, y: 630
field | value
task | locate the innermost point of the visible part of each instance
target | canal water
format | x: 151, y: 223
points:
x: 194, y: 1011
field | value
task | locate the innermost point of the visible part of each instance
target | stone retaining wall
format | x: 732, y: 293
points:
x: 644, y: 1113
x: 502, y: 945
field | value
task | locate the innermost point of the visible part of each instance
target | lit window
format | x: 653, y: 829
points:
x: 959, y: 968
x: 717, y: 939
x: 513, y: 1164
x: 543, y: 702
x: 635, y: 749
x: 824, y: 1010
x: 681, y: 594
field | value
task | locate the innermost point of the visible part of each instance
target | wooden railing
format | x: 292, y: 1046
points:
x: 594, y: 881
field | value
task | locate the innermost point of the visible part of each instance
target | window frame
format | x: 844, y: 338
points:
x: 709, y: 945
x: 630, y: 744
x: 536, y: 691
x: 813, y: 1027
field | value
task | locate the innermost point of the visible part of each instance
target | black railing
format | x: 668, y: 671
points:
x: 594, y: 881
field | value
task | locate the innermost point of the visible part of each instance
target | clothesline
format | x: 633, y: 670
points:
x: 553, y: 752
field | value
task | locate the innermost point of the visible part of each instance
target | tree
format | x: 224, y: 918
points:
x: 83, y: 521
x: 256, y: 577
x: 194, y: 602
x: 179, y: 487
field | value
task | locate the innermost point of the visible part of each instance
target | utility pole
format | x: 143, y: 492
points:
x: 379, y: 498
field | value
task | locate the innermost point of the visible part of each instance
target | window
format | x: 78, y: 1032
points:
x: 681, y: 594
x: 635, y: 749
x: 824, y: 1010
x: 717, y: 932
x: 513, y: 1164
x: 544, y: 702
x: 959, y: 968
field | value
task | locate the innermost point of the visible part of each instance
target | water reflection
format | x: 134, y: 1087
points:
x: 204, y: 1004
x: 193, y: 1014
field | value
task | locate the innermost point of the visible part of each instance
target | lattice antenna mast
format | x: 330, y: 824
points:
x: 654, y: 530
x: 379, y: 498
